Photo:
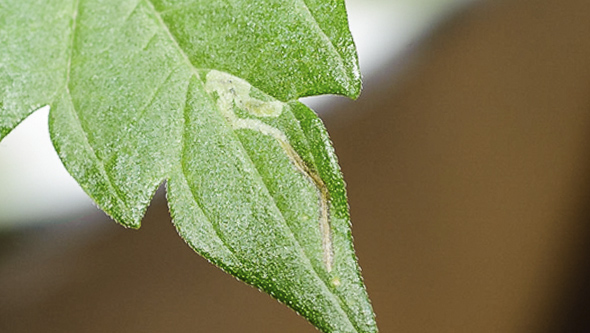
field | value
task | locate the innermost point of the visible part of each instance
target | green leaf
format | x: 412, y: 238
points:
x: 203, y: 95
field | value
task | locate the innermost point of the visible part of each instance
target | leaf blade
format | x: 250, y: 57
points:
x: 32, y: 57
x: 281, y: 58
x: 249, y: 187
x: 269, y: 254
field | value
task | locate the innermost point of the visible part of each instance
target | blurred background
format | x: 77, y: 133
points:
x: 468, y: 173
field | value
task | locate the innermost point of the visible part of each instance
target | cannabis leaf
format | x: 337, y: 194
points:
x: 202, y: 95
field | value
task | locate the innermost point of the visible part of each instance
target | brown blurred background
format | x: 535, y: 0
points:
x: 469, y: 181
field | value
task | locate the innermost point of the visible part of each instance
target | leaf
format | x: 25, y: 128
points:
x: 203, y: 95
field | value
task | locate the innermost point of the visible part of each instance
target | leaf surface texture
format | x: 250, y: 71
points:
x: 203, y: 95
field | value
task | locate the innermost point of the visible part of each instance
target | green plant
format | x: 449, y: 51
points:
x: 203, y: 95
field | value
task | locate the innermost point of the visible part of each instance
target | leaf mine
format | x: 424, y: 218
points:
x: 234, y: 92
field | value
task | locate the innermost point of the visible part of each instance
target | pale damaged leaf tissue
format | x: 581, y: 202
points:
x: 203, y: 95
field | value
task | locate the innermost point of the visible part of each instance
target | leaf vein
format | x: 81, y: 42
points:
x: 132, y: 11
x: 164, y: 27
x: 324, y: 36
x: 141, y: 112
x: 198, y: 202
x: 75, y: 113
